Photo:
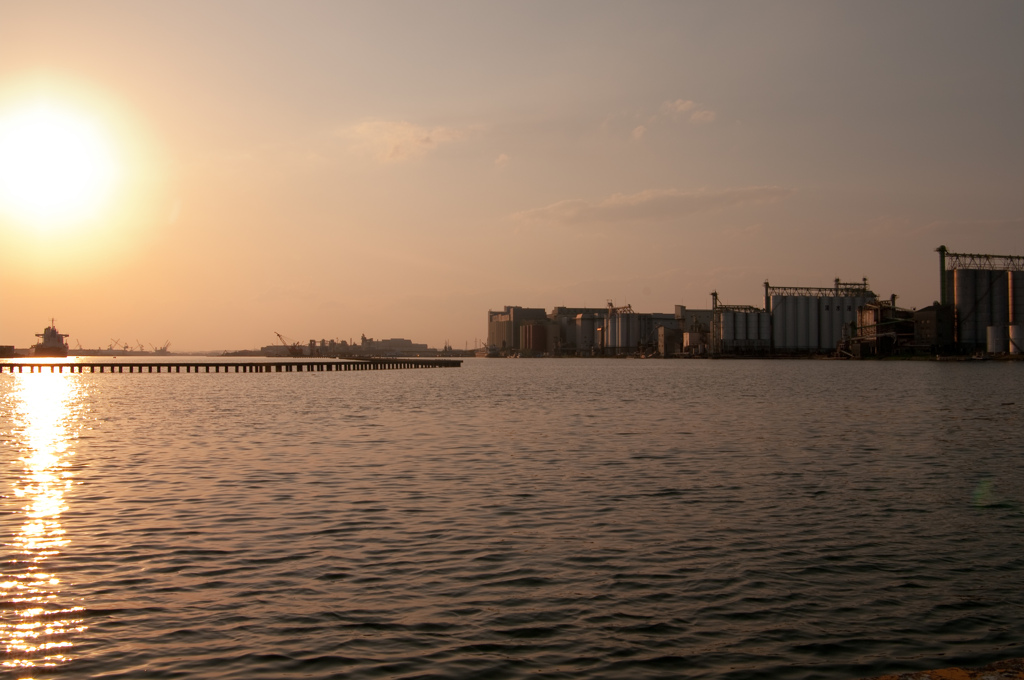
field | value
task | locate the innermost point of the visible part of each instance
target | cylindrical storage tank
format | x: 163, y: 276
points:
x: 728, y: 330
x: 1000, y: 298
x: 813, y: 304
x: 825, y: 307
x: 764, y: 333
x: 779, y: 321
x: 966, y: 301
x: 1017, y: 339
x: 805, y: 321
x: 802, y: 334
x: 997, y: 339
x: 634, y: 331
x: 1016, y: 303
x: 792, y: 322
x: 983, y: 284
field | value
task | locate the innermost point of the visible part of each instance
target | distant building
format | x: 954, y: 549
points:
x: 503, y: 328
x: 883, y: 329
x: 987, y: 291
x: 582, y: 331
x: 934, y: 329
x: 391, y: 346
x: 813, y: 320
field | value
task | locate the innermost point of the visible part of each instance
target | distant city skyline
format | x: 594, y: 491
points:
x: 210, y: 173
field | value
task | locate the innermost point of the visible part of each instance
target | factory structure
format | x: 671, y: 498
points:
x: 987, y: 294
x: 981, y: 310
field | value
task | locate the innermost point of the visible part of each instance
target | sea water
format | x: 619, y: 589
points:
x: 514, y: 518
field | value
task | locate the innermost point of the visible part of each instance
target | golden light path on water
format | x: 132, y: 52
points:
x: 43, y: 416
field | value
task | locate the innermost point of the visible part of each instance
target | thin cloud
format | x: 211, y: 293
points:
x: 394, y: 141
x: 677, y: 107
x: 680, y: 107
x: 638, y: 132
x: 651, y: 206
x: 702, y: 116
x: 502, y: 160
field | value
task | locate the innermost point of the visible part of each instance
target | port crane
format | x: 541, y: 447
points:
x: 292, y: 347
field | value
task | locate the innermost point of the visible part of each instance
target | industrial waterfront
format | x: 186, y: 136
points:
x: 562, y: 518
x: 979, y: 311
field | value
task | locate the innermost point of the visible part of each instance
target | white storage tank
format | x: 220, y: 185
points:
x: 997, y: 339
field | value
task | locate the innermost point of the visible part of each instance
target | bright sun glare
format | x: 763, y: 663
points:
x: 56, y: 166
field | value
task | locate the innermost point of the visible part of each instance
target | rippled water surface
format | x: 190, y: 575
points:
x: 512, y: 519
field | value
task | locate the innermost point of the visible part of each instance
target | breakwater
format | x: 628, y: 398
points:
x: 228, y: 366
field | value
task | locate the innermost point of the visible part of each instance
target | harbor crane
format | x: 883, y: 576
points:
x: 293, y: 347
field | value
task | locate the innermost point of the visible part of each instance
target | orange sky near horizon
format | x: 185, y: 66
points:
x: 328, y: 170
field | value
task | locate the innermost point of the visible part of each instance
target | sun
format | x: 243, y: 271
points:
x: 56, y: 166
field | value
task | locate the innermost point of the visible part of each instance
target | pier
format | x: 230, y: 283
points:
x: 314, y: 366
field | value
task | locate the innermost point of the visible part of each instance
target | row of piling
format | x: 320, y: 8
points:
x: 229, y: 367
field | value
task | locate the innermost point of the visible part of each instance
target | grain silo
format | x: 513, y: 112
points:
x: 739, y: 329
x: 987, y: 294
x: 807, y: 320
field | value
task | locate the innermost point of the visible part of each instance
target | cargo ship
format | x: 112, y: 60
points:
x: 52, y: 343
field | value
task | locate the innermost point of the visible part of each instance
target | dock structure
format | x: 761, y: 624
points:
x: 226, y: 366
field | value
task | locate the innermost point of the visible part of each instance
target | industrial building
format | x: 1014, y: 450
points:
x: 987, y: 295
x: 882, y: 329
x: 981, y: 309
x: 934, y: 329
x: 581, y: 331
x: 504, y: 327
x: 814, y: 319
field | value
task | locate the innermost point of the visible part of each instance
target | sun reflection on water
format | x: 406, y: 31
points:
x: 39, y: 416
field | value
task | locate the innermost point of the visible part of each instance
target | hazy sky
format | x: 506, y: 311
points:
x: 328, y: 169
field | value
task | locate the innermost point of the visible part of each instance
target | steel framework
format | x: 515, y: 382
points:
x: 840, y: 289
x: 949, y: 262
x: 999, y: 263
